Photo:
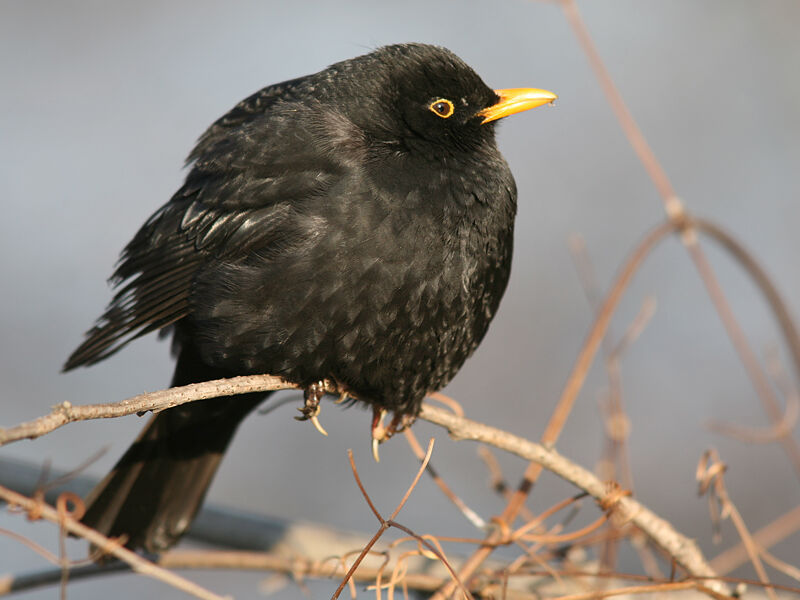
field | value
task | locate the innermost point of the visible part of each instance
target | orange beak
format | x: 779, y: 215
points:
x: 515, y: 100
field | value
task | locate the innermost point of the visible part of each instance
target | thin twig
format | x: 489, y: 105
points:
x: 635, y: 589
x: 779, y: 308
x: 588, y: 352
x: 676, y: 211
x: 296, y: 567
x: 711, y: 475
x: 778, y: 564
x: 570, y: 393
x: 615, y: 462
x: 465, y: 510
x: 38, y: 549
x: 536, y: 522
x: 137, y: 563
x: 761, y: 279
x: 385, y: 523
x: 497, y: 480
x: 435, y: 551
x: 768, y: 435
x: 781, y: 528
x: 681, y: 548
x: 624, y: 117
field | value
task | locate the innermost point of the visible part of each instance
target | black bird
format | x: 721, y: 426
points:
x: 354, y: 225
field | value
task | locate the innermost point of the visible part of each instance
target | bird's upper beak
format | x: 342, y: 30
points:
x: 516, y: 100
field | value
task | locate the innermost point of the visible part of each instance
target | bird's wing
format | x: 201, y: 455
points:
x: 240, y: 197
x: 254, y: 105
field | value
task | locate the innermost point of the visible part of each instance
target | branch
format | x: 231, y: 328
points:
x: 297, y: 567
x: 153, y: 401
x: 682, y: 549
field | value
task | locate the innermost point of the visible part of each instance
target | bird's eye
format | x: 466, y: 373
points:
x: 442, y: 108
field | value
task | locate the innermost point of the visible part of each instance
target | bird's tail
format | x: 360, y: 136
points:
x: 154, y: 491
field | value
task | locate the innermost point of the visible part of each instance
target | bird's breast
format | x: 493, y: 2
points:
x: 390, y: 294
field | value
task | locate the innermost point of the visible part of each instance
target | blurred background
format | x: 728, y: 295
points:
x: 100, y: 102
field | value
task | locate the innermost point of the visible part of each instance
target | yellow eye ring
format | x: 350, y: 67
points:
x: 442, y: 108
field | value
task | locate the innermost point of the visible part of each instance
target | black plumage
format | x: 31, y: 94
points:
x: 353, y: 225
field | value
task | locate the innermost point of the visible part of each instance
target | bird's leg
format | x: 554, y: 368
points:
x: 312, y: 395
x: 399, y: 422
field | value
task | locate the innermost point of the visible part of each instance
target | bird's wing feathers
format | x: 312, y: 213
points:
x: 254, y: 105
x: 239, y: 198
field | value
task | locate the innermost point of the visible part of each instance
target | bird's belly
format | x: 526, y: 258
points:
x: 389, y: 327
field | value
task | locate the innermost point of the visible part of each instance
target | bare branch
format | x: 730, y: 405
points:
x: 682, y: 549
x: 66, y: 412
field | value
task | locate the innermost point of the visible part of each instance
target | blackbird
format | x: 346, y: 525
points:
x: 352, y: 226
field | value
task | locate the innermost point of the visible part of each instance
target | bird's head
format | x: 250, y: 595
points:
x: 424, y: 96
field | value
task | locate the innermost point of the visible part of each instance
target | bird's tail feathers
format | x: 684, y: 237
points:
x: 154, y: 491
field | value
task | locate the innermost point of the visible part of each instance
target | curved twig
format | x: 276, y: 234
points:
x: 136, y: 562
x: 682, y: 549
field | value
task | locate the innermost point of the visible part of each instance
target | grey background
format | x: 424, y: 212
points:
x: 101, y: 101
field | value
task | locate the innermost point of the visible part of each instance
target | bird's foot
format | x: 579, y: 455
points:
x: 381, y: 433
x: 311, y: 408
x: 400, y: 422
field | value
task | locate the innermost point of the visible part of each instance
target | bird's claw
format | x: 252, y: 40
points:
x: 375, y: 453
x: 311, y: 408
x: 381, y: 433
x: 317, y: 425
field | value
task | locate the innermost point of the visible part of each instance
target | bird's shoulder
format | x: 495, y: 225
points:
x: 248, y: 108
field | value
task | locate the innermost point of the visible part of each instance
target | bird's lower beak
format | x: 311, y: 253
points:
x: 516, y: 100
